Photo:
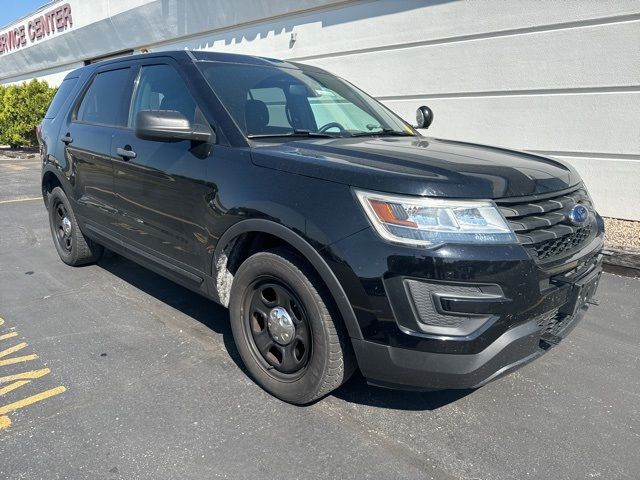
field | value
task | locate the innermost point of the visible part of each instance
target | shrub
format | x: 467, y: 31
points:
x: 22, y: 108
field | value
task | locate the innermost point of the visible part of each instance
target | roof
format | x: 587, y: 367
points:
x: 249, y: 60
x: 202, y: 56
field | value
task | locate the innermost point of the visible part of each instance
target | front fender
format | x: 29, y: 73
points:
x: 307, y: 251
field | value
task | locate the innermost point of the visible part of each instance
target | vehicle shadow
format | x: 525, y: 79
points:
x: 216, y: 318
x: 357, y: 390
x: 201, y: 309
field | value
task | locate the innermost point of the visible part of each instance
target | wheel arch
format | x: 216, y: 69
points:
x: 50, y: 180
x: 254, y: 235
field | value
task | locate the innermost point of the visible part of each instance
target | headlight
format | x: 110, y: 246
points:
x: 429, y: 222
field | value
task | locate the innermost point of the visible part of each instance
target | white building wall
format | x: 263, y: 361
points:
x: 560, y: 78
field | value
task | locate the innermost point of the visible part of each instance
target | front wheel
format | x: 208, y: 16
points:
x: 289, y: 337
x: 72, y: 246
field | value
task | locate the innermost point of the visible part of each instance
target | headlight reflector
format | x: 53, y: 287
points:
x: 428, y: 221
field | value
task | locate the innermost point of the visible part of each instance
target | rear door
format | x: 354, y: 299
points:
x: 87, y: 136
x: 160, y: 186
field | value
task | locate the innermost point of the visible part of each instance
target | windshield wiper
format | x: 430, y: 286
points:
x: 384, y: 131
x: 295, y: 133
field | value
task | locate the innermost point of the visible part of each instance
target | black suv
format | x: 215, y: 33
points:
x: 338, y: 236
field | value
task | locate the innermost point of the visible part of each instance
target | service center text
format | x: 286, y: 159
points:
x: 55, y: 20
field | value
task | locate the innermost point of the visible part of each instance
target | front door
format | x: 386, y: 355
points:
x: 160, y: 186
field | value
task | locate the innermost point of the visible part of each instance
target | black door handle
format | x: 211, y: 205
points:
x: 66, y: 139
x: 126, y: 153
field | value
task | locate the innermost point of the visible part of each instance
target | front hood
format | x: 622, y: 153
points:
x: 419, y: 166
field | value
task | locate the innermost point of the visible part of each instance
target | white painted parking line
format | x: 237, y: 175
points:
x: 16, y: 200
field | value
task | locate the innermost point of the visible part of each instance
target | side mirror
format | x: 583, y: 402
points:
x: 170, y: 126
x: 424, y: 117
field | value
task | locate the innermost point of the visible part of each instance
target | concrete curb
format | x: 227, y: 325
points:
x: 622, y: 260
x: 19, y: 153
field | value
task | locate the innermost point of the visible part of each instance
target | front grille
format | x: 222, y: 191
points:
x: 557, y: 246
x: 542, y: 224
x: 551, y: 323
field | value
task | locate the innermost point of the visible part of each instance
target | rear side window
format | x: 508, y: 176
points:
x: 63, y: 92
x: 104, y: 101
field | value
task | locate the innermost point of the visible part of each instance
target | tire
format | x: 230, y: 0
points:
x: 73, y: 247
x: 318, y: 357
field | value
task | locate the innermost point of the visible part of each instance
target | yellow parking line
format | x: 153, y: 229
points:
x: 5, y: 422
x: 31, y: 400
x: 8, y: 335
x: 12, y: 386
x: 1, y: 321
x: 13, y: 349
x: 31, y: 375
x: 25, y: 199
x: 11, y: 361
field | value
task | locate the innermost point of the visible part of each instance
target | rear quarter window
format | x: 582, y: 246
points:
x: 61, y: 95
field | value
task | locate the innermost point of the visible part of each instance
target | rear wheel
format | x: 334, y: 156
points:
x: 284, y: 325
x: 72, y: 246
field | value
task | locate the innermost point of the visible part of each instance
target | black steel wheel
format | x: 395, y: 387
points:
x: 278, y: 327
x: 63, y: 227
x: 286, y: 329
x: 72, y: 246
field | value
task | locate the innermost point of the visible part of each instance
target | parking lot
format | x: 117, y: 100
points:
x: 114, y: 372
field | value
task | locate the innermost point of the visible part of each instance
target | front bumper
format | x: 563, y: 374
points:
x: 394, y: 367
x: 529, y: 310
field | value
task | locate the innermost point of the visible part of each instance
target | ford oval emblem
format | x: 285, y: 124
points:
x: 579, y: 215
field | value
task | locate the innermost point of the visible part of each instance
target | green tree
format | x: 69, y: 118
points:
x: 22, y: 108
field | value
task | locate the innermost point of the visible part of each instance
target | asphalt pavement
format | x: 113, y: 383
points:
x: 114, y: 372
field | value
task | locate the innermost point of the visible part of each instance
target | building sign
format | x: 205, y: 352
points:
x: 55, y: 20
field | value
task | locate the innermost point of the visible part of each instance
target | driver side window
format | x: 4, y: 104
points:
x: 160, y: 87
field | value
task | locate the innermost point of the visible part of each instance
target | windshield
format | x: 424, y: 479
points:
x: 277, y: 102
